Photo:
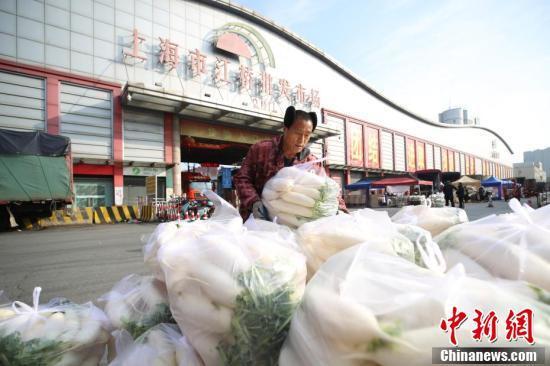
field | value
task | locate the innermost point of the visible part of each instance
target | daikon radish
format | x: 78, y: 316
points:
x: 308, y: 191
x: 310, y: 179
x: 298, y: 199
x: 269, y: 194
x: 216, y: 283
x: 290, y: 220
x: 285, y: 207
x: 280, y: 184
x: 200, y: 310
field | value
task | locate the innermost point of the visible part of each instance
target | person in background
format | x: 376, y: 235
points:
x: 481, y: 193
x: 266, y: 158
x: 461, y: 194
x: 448, y: 189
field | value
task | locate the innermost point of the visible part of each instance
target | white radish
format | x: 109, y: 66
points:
x: 90, y: 331
x: 206, y: 345
x: 218, y: 285
x: 70, y: 358
x: 200, y: 310
x: 280, y: 184
x: 298, y: 199
x: 290, y: 208
x: 310, y: 179
x: 54, y: 325
x: 289, y: 220
x: 270, y: 194
x: 6, y: 313
x: 307, y: 191
x: 340, y: 319
x: 35, y: 328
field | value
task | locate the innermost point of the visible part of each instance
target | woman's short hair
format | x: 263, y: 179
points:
x: 292, y: 114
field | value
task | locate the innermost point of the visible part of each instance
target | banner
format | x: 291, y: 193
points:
x: 355, y: 144
x: 420, y: 156
x: 411, y: 156
x: 373, y: 148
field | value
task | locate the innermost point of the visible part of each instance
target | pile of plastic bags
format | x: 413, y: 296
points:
x: 364, y: 307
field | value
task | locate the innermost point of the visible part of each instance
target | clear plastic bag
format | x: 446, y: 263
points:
x: 233, y: 295
x: 322, y: 238
x: 137, y: 303
x: 225, y: 217
x: 300, y: 193
x: 162, y: 345
x: 57, y: 333
x: 364, y: 307
x: 433, y: 219
x: 513, y: 246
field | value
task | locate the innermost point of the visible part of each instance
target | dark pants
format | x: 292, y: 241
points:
x: 447, y: 200
x: 461, y: 202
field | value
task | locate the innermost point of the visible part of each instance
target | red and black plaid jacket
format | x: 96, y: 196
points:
x: 263, y: 161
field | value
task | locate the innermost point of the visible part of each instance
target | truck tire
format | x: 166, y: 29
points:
x: 5, y: 224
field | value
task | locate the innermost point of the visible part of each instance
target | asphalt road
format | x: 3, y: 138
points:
x: 82, y: 263
x: 79, y: 263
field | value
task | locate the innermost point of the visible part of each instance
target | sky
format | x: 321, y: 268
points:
x: 490, y: 56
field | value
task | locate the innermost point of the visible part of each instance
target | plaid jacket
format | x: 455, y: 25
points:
x: 263, y: 161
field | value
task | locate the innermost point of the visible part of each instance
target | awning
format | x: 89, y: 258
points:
x: 361, y: 184
x: 401, y: 181
x: 137, y: 95
x: 467, y: 181
x: 491, y: 182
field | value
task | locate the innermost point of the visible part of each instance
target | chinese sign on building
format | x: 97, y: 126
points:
x: 411, y: 155
x: 355, y: 144
x: 373, y: 147
x: 444, y: 160
x: 420, y: 156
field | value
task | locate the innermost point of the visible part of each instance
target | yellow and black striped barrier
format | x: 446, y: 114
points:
x: 75, y: 216
x: 114, y: 214
x: 147, y: 213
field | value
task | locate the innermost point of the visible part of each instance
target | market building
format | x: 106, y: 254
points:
x: 140, y: 86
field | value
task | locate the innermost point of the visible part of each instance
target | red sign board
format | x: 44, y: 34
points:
x: 411, y: 155
x: 444, y: 160
x: 355, y: 148
x: 372, y: 147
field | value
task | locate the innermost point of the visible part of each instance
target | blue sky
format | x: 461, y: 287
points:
x: 490, y: 56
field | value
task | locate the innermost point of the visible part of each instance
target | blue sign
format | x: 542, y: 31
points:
x: 226, y: 178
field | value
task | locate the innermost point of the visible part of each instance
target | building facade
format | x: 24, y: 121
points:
x: 539, y: 155
x: 533, y: 171
x: 141, y: 86
x: 457, y: 116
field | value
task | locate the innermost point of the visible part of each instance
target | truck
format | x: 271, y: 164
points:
x: 193, y: 184
x: 36, y: 175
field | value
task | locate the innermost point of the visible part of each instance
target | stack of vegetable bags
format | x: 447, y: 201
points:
x: 513, y: 246
x: 433, y: 219
x: 364, y: 307
x: 321, y: 239
x: 233, y: 294
x: 162, y: 345
x: 296, y: 195
x: 225, y: 217
x: 437, y: 200
x: 137, y: 303
x: 58, y: 333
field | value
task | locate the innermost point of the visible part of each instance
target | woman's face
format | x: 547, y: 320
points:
x: 296, y: 137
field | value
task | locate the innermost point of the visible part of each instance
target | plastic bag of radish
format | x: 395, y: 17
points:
x: 433, y: 219
x: 299, y: 194
x: 364, y: 307
x: 225, y: 217
x: 325, y: 237
x: 162, y: 345
x: 513, y: 246
x: 58, y: 333
x: 137, y: 303
x: 233, y: 294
